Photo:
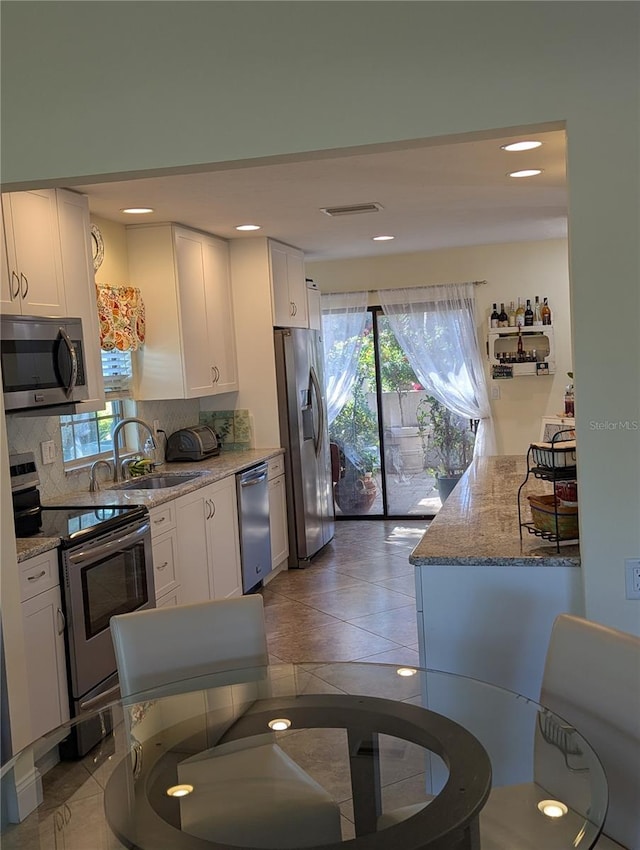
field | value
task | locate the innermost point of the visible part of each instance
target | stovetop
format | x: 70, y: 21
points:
x: 76, y: 524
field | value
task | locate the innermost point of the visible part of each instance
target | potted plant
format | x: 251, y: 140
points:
x: 355, y: 433
x: 451, y: 445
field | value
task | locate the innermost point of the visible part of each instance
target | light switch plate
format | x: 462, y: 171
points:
x: 48, y: 450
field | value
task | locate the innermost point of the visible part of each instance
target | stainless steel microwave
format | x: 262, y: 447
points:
x: 42, y: 362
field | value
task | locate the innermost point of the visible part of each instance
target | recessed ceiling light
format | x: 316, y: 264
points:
x: 279, y: 724
x: 552, y: 808
x: 521, y: 146
x: 137, y: 210
x: 179, y: 790
x: 526, y: 172
x: 406, y: 671
x: 383, y: 238
x: 248, y: 227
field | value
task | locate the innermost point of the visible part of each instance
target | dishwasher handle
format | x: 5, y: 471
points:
x: 253, y: 476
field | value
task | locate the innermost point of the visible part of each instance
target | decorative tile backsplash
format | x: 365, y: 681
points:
x: 25, y: 433
x: 232, y: 426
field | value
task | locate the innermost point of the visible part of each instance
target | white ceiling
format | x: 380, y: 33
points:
x: 432, y: 196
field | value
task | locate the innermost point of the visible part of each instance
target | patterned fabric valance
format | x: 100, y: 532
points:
x: 121, y: 315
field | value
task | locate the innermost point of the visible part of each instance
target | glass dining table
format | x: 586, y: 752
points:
x: 416, y: 759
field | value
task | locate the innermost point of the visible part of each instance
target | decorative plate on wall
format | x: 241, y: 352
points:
x: 97, y: 247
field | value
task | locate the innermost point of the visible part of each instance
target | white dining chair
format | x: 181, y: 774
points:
x: 161, y: 646
x: 591, y: 680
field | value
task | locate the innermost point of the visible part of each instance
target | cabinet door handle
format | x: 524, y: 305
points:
x: 217, y: 374
x: 162, y: 566
x: 213, y: 508
x: 35, y: 578
x: 25, y: 281
x: 159, y: 520
x: 16, y: 293
x: 208, y: 504
x: 61, y: 621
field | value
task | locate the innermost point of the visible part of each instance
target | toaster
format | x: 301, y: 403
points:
x: 197, y: 443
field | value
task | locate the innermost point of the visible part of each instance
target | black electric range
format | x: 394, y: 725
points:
x: 77, y: 524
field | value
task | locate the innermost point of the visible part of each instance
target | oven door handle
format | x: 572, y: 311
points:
x: 112, y: 546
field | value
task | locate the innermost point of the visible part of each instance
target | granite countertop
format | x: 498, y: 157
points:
x: 209, y: 471
x: 478, y: 524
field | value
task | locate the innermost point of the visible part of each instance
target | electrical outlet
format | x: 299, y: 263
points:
x: 495, y: 391
x: 632, y: 578
x: 156, y: 426
x: 48, y: 450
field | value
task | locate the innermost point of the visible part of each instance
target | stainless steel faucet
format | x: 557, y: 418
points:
x: 93, y: 481
x: 115, y: 436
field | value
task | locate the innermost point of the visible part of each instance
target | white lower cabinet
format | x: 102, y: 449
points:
x: 169, y: 600
x: 164, y: 543
x: 44, y: 624
x: 207, y: 542
x: 278, y: 512
x: 165, y: 562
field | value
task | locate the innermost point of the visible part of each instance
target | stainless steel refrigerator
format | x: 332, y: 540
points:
x: 305, y: 438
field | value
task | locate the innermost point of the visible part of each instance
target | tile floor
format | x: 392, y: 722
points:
x: 355, y: 602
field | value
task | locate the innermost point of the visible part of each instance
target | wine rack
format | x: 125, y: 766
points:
x: 536, y: 358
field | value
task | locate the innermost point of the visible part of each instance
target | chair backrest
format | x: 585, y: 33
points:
x: 160, y: 645
x: 592, y: 680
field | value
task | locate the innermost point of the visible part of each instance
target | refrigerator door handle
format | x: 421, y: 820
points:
x: 318, y: 393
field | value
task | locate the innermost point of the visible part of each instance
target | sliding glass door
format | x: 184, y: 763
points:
x: 380, y: 438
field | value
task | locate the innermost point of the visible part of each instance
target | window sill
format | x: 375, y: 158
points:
x: 85, y: 464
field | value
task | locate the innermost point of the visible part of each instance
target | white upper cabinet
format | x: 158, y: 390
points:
x: 32, y: 278
x: 79, y: 287
x: 47, y: 269
x: 185, y: 283
x: 288, y: 286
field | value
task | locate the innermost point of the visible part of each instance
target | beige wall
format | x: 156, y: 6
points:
x: 512, y: 271
x: 315, y: 76
x: 114, y: 269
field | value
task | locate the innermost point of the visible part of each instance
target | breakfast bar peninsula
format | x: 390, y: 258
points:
x: 486, y: 600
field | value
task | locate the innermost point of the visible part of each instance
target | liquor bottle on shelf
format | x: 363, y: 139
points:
x: 545, y: 312
x: 520, y: 354
x: 569, y: 401
x: 537, y: 313
x: 503, y: 319
x: 520, y: 314
x: 512, y: 315
x: 528, y: 314
x: 495, y: 319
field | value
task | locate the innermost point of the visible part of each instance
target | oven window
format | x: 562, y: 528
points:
x: 115, y: 585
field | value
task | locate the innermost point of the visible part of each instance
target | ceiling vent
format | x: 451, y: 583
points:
x: 353, y: 209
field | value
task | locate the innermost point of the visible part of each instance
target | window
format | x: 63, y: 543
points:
x: 117, y: 372
x: 87, y: 436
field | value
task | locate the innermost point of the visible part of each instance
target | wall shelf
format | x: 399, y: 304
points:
x: 538, y: 357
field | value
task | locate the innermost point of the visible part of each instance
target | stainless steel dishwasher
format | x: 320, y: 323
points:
x: 253, y: 514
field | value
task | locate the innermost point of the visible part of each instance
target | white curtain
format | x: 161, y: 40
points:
x: 436, y: 328
x: 344, y: 316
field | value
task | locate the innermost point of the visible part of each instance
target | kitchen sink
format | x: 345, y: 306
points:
x: 157, y: 481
